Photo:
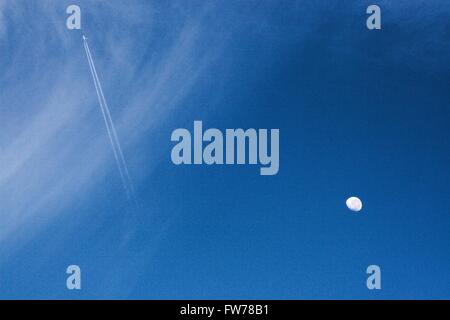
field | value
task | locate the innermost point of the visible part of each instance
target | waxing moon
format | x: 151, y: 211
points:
x: 354, y: 204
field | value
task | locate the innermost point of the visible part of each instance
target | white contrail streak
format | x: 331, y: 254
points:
x: 112, y: 134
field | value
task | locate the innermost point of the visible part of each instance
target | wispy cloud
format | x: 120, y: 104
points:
x: 53, y: 148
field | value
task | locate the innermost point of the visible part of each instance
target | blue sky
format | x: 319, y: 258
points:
x: 360, y: 113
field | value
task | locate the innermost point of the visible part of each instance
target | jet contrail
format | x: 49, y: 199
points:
x: 112, y: 134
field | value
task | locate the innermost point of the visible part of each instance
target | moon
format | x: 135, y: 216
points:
x: 354, y: 204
